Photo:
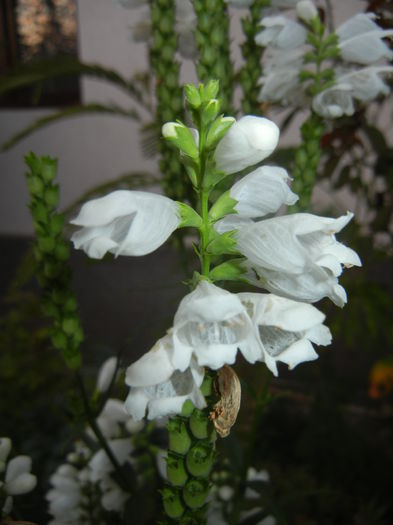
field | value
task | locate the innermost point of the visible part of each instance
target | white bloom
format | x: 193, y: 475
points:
x: 125, y: 223
x: 364, y: 84
x: 110, y: 419
x: 211, y: 324
x: 159, y: 387
x: 286, y: 329
x: 106, y: 374
x: 5, y: 447
x: 113, y: 498
x: 65, y: 496
x: 297, y: 256
x: 306, y: 10
x: 249, y: 140
x: 262, y: 191
x: 281, y: 32
x: 100, y: 465
x: 360, y: 40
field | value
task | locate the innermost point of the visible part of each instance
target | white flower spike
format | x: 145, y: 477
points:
x: 125, y: 223
x: 286, y: 329
x: 158, y: 387
x: 249, y: 140
x: 297, y: 256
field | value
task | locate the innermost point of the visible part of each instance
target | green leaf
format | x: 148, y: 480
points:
x: 70, y: 112
x: 228, y: 271
x: 67, y: 66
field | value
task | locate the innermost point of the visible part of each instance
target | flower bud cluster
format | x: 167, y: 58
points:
x: 52, y: 253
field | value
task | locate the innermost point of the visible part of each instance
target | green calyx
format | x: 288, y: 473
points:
x: 199, y: 459
x: 173, y: 505
x: 195, y: 493
x: 179, y: 437
x: 175, y: 469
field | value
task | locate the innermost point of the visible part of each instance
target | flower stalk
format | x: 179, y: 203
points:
x: 252, y: 54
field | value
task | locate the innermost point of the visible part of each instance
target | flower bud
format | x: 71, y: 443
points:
x: 217, y: 131
x: 193, y: 98
x: 195, y: 493
x: 199, y: 460
x: 175, y: 470
x: 306, y: 10
x: 179, y: 439
x: 199, y: 424
x: 181, y: 137
x: 172, y: 503
x: 210, y: 111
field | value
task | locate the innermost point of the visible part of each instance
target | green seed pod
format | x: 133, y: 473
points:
x: 173, y: 505
x: 179, y: 438
x: 199, y: 459
x: 199, y: 424
x: 188, y: 408
x: 35, y: 185
x: 175, y: 470
x: 51, y: 196
x: 195, y: 493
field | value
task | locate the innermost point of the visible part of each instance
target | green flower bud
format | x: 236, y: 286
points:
x: 181, y: 137
x: 61, y: 252
x: 51, y: 196
x: 217, y: 131
x: 200, y: 424
x: 210, y: 111
x: 175, y: 470
x: 179, y: 439
x: 46, y: 244
x: 211, y: 89
x: 207, y: 385
x: 35, y: 185
x: 56, y: 224
x: 173, y: 505
x: 193, y: 98
x: 199, y: 459
x: 195, y: 493
x: 187, y: 408
x: 59, y: 340
x: 70, y: 325
x: 48, y: 169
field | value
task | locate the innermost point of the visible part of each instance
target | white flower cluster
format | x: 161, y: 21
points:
x: 358, y: 71
x: 296, y: 257
x: 15, y: 476
x: 83, y: 489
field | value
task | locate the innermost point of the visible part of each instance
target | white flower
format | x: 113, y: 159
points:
x: 65, y: 497
x: 100, y: 465
x: 248, y: 141
x: 159, y: 387
x: 360, y: 40
x: 262, y: 191
x: 125, y: 223
x: 364, y: 84
x: 297, y: 256
x: 17, y: 478
x: 211, y: 324
x: 281, y: 32
x: 110, y: 419
x: 286, y: 329
x: 106, y: 374
x: 306, y: 10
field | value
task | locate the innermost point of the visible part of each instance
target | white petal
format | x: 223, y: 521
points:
x: 106, y: 373
x: 153, y: 367
x: 298, y: 352
x: 114, y: 410
x: 23, y: 483
x: 136, y: 403
x: 262, y: 191
x: 250, y: 140
x: 5, y: 447
x: 17, y: 466
x: 125, y: 223
x: 114, y: 499
x: 319, y: 334
x: 281, y: 32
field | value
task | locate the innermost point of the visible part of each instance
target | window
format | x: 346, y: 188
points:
x: 33, y: 30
